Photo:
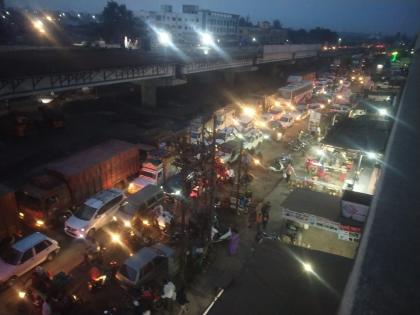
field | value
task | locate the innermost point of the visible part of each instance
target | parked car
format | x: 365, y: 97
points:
x: 94, y: 213
x: 287, y: 121
x: 146, y: 265
x: 340, y: 109
x: 228, y: 151
x: 25, y: 255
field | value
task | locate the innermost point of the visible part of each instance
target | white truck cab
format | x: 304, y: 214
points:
x: 150, y: 174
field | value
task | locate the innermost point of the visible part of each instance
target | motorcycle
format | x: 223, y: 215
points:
x: 219, y: 234
x: 261, y: 235
x: 99, y: 280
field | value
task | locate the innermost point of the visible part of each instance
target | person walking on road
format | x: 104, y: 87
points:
x: 234, y: 242
x: 265, y: 211
x: 289, y: 172
x: 182, y: 301
x: 169, y: 294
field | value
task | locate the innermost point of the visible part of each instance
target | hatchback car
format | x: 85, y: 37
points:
x: 25, y: 255
x: 94, y: 213
x: 146, y: 265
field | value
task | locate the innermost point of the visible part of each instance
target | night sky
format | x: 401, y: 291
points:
x: 386, y: 16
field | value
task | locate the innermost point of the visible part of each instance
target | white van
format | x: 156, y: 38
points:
x: 94, y: 213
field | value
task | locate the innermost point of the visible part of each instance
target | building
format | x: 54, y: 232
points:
x: 260, y: 35
x: 184, y: 26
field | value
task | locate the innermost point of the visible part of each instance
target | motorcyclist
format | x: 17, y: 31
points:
x: 96, y: 275
x: 41, y: 279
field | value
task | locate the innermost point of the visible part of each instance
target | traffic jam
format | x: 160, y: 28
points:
x: 136, y: 221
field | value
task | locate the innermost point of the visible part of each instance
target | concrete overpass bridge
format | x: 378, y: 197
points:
x: 32, y: 72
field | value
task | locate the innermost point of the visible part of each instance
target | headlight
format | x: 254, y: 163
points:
x: 82, y: 229
x: 39, y: 223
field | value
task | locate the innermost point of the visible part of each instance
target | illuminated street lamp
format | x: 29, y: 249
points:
x: 206, y: 39
x: 307, y: 267
x: 371, y: 155
x: 39, y: 26
x: 49, y: 18
x: 249, y: 111
x: 115, y: 238
x: 382, y: 112
x: 164, y: 38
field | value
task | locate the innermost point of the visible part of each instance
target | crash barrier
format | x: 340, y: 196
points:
x: 344, y: 232
x: 286, y: 52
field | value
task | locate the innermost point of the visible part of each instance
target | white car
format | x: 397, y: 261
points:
x: 300, y: 114
x: 94, y: 213
x: 287, y: 121
x: 340, y: 109
x: 24, y: 255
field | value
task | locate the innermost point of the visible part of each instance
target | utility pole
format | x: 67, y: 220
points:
x: 238, y: 184
x: 212, y: 176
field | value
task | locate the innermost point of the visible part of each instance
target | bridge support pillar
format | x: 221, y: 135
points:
x: 148, y: 95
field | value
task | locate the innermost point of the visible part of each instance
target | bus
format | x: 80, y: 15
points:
x: 293, y: 93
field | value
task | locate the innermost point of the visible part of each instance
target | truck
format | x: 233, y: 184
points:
x: 49, y: 197
x: 151, y: 173
x: 9, y: 223
x: 308, y: 76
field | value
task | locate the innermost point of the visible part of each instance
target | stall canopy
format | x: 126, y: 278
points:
x: 313, y: 202
x: 367, y: 133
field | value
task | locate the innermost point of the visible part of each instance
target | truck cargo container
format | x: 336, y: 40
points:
x: 68, y: 182
x: 9, y: 223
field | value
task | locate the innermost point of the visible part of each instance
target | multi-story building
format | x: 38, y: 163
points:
x: 261, y: 35
x: 184, y: 26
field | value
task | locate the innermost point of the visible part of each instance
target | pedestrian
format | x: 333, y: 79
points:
x: 182, y: 301
x: 46, y: 306
x: 289, y: 172
x: 169, y: 294
x: 233, y: 242
x: 265, y: 218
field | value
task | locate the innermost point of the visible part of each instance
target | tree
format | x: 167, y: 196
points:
x: 117, y: 21
x: 244, y: 21
x: 277, y: 24
x: 322, y: 35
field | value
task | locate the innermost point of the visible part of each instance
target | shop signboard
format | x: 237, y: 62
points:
x: 314, y: 121
x: 343, y: 232
x: 354, y: 211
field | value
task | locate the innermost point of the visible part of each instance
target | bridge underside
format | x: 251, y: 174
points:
x: 163, y: 69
